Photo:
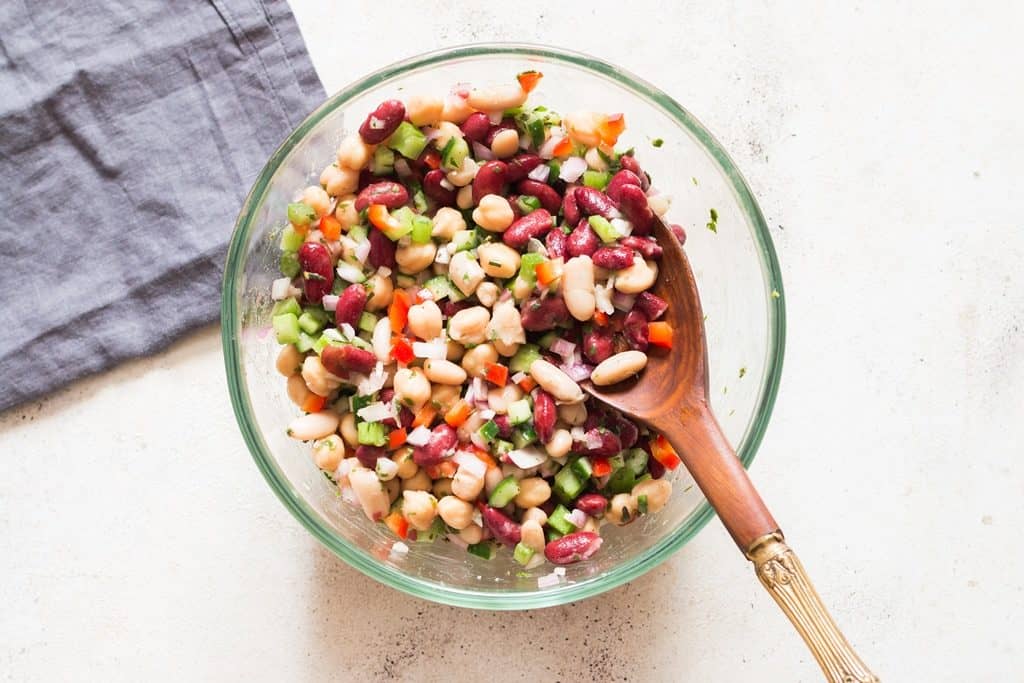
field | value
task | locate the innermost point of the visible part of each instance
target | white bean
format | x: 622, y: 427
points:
x: 494, y: 213
x: 417, y: 482
x: 455, y: 351
x: 637, y: 277
x: 496, y: 98
x: 498, y: 260
x: 618, y: 367
x: 369, y: 492
x: 381, y: 339
x: 499, y: 398
x: 556, y: 382
x: 413, y: 257
x: 443, y: 372
x: 407, y: 467
x: 535, y: 515
x: 425, y: 320
x: 657, y: 492
x: 582, y: 127
x: 560, y: 443
x: 533, y: 535
x: 578, y: 287
x: 444, y: 396
x: 456, y: 109
x: 349, y: 431
x: 346, y: 212
x: 469, y: 326
x: 289, y: 360
x: 456, y: 513
x: 506, y: 326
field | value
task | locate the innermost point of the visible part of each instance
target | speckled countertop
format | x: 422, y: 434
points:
x: 139, y: 542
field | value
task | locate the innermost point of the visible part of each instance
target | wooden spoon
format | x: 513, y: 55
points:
x: 671, y: 397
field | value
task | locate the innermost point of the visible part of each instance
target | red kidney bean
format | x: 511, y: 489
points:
x: 623, y: 177
x: 490, y: 179
x: 627, y: 430
x: 574, y: 547
x: 382, y: 250
x: 388, y: 192
x: 635, y: 329
x: 350, y: 305
x: 645, y: 245
x: 631, y: 164
x: 597, y: 416
x: 382, y: 122
x: 555, y: 243
x: 679, y: 232
x: 610, y: 444
x: 504, y: 529
x: 367, y: 455
x: 387, y: 396
x: 517, y: 212
x: 406, y: 418
x: 651, y: 305
x: 583, y: 241
x: 346, y: 358
x: 543, y: 314
x: 317, y: 271
x: 504, y: 426
x: 613, y: 258
x: 534, y: 224
x: 475, y: 128
x: 570, y: 208
x: 634, y: 206
x: 597, y: 345
x: 549, y: 199
x: 656, y: 469
x: 544, y: 415
x: 593, y: 504
x: 506, y: 124
x: 450, y: 308
x: 520, y: 166
x: 595, y: 203
x: 442, y: 439
x: 433, y: 188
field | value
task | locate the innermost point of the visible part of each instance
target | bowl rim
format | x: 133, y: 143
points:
x: 364, y: 562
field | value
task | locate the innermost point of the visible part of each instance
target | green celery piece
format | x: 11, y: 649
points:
x: 596, y: 179
x: 286, y: 327
x: 407, y: 140
x: 289, y: 264
x: 519, y: 412
x: 311, y: 322
x: 488, y: 431
x: 559, y: 520
x: 305, y: 343
x: 371, y: 433
x: 484, y: 549
x: 440, y: 286
x: 454, y: 152
x: 357, y: 233
x: 548, y: 339
x: 291, y: 239
x: 528, y: 266
x: 467, y: 241
x: 582, y: 468
x: 504, y: 493
x: 528, y: 203
x: 567, y: 485
x: 523, y: 554
x: 289, y: 305
x: 421, y: 229
x: 524, y: 436
x: 419, y: 200
x: 636, y: 460
x: 524, y: 357
x: 367, y: 321
x: 300, y: 213
x: 605, y: 230
x: 383, y: 161
x: 621, y: 481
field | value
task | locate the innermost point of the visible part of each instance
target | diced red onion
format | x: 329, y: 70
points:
x: 348, y: 330
x: 457, y: 541
x: 527, y: 458
x: 481, y: 151
x: 603, y: 298
x: 376, y: 412
x: 443, y: 256
x: 564, y: 348
x: 418, y: 437
x: 577, y: 433
x: 495, y: 117
x: 478, y: 440
x: 473, y: 465
x: 623, y: 301
x: 479, y: 390
x: 559, y: 571
x: 572, y: 169
x: 487, y: 413
x: 431, y: 350
x: 593, y: 440
x: 375, y: 382
x: 362, y: 251
x: 447, y: 184
x: 425, y: 294
x: 524, y: 142
x: 349, y: 496
x: 577, y: 517
x: 398, y: 549
x: 330, y: 302
x: 518, y: 377
x: 547, y: 150
x: 535, y: 246
x: 345, y: 467
x: 577, y: 372
x: 431, y: 133
x: 402, y: 168
x: 349, y: 272
x: 280, y: 289
x: 540, y: 173
x: 548, y: 580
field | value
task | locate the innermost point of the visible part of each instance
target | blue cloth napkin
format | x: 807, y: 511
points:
x: 130, y: 133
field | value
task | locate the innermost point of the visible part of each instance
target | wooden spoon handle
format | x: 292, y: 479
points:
x: 780, y: 572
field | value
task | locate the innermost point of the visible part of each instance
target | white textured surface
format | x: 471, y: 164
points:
x: 138, y: 541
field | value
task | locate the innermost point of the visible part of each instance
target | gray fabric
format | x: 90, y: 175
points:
x: 130, y: 133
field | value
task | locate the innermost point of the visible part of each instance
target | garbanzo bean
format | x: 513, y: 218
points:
x: 476, y: 359
x: 494, y: 213
x: 420, y: 508
x: 469, y: 326
x: 289, y: 360
x: 456, y: 513
x: 425, y: 320
x: 533, y: 491
x: 497, y: 259
x: 412, y: 258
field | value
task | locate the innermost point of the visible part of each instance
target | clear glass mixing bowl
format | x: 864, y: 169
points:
x: 736, y: 269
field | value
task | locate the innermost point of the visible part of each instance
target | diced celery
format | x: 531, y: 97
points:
x: 404, y: 216
x: 524, y: 357
x: 596, y: 179
x: 289, y: 264
x: 313, y: 320
x: 403, y: 281
x: 419, y: 200
x: 528, y: 203
x: 383, y: 161
x: 556, y: 167
x: 367, y: 321
x: 289, y: 305
x: 500, y: 447
x: 357, y: 233
x: 371, y: 433
x: 558, y: 520
x: 421, y: 229
x: 636, y: 460
x: 617, y: 461
x: 407, y: 140
x: 286, y: 327
x: 523, y: 554
x: 504, y: 493
x: 454, y: 152
x: 350, y: 272
x: 321, y: 343
x: 605, y: 230
x: 548, y: 339
x: 528, y: 266
x: 524, y: 436
x: 466, y: 240
x: 305, y: 343
x: 357, y: 403
x: 300, y: 213
x: 291, y: 239
x: 551, y: 535
x: 641, y: 504
x: 519, y: 411
x: 535, y: 129
x: 484, y: 549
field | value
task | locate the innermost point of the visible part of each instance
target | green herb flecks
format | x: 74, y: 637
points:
x: 713, y: 223
x: 657, y: 142
x: 743, y: 371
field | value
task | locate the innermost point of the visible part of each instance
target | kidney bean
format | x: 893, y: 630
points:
x: 382, y: 122
x: 442, y: 438
x: 594, y: 203
x: 597, y: 416
x: 656, y: 469
x: 388, y: 192
x: 652, y: 305
x: 520, y: 166
x: 506, y: 124
x: 597, y: 345
x: 490, y: 179
x: 517, y: 213
x: 475, y: 128
x: 386, y: 396
x: 583, y: 241
x: 633, y: 204
x: 594, y: 504
x: 679, y: 232
x: 406, y: 418
x: 432, y: 188
x: 382, y: 250
x: 367, y: 455
x: 544, y: 415
x: 627, y: 430
x: 613, y: 258
x: 635, y: 329
x: 574, y: 547
x: 450, y: 308
x: 631, y: 164
x: 504, y: 529
x: 504, y: 426
x: 570, y: 208
x: 610, y: 444
x: 623, y: 177
x: 549, y: 199
x: 350, y: 305
x: 534, y: 224
x: 555, y: 243
x: 647, y: 247
x: 543, y: 314
x: 345, y: 358
x: 317, y: 271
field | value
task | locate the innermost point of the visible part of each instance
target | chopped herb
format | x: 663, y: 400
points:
x: 713, y: 223
x: 743, y: 371
x: 657, y: 142
x: 775, y: 294
x: 641, y: 504
x: 694, y: 179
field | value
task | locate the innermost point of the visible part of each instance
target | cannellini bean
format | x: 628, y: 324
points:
x: 560, y: 443
x: 318, y: 379
x: 456, y: 513
x: 407, y: 467
x: 328, y: 452
x: 618, y: 367
x: 474, y: 533
x: 578, y: 287
x: 316, y: 198
x: 381, y: 292
x: 487, y: 293
x: 464, y: 174
x: 349, y: 431
x: 506, y: 326
x: 494, y: 213
x: 425, y: 320
x: 556, y: 382
x: 443, y: 372
x: 505, y: 143
x: 621, y: 509
x: 289, y: 360
x: 496, y: 258
x: 424, y: 110
x: 381, y: 339
x: 469, y: 326
x: 412, y: 388
x: 521, y: 289
x: 298, y: 392
x: 447, y: 222
x: 346, y: 212
x: 413, y: 257
x: 496, y: 98
x: 467, y: 486
x: 464, y: 197
x: 637, y: 277
x: 535, y: 515
x: 498, y: 398
x: 595, y: 160
x: 369, y: 492
x: 573, y: 414
x: 476, y: 359
x: 657, y: 492
x: 533, y: 535
x: 420, y: 508
x: 339, y: 181
x: 465, y: 272
x: 533, y: 491
x: 353, y: 153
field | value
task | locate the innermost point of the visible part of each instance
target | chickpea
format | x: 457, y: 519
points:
x: 533, y: 536
x: 420, y: 508
x: 412, y: 257
x: 382, y: 289
x: 487, y: 293
x: 289, y: 360
x: 533, y: 491
x: 369, y: 492
x: 298, y: 392
x: 657, y: 492
x: 595, y: 160
x: 412, y: 388
x: 464, y: 174
x: 444, y: 372
x: 492, y: 479
x: 505, y: 144
x: 328, y: 452
x: 424, y: 110
x: 637, y: 277
x: 465, y: 272
x: 349, y: 431
x: 521, y: 289
x: 455, y: 351
x: 505, y: 349
x: 592, y: 525
x: 476, y: 359
x: 346, y: 212
x: 354, y: 153
x: 417, y: 482
x: 456, y: 109
x: 444, y: 396
x: 535, y: 515
x: 494, y: 213
x: 469, y: 326
x: 392, y: 487
x: 467, y: 486
x: 339, y: 181
x: 407, y: 467
x: 574, y: 414
x: 560, y: 443
x: 442, y: 487
x: 621, y: 509
x: 318, y: 379
x: 496, y: 98
x: 499, y: 398
x: 316, y: 198
x: 474, y: 533
x: 456, y: 513
x: 464, y: 197
x: 425, y: 320
x: 498, y: 260
x: 506, y: 326
x: 447, y: 222
x: 660, y: 203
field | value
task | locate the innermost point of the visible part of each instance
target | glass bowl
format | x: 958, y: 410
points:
x: 736, y: 269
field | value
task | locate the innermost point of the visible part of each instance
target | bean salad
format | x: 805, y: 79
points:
x: 462, y: 266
